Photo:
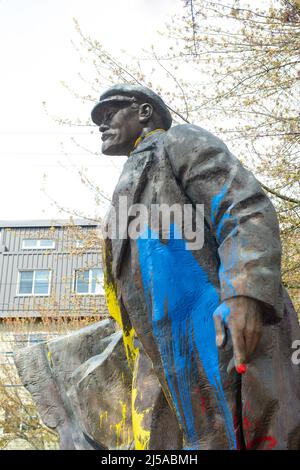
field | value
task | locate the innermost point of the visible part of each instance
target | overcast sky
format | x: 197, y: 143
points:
x: 36, y: 55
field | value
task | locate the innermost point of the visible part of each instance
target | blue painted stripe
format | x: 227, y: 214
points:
x: 216, y: 203
x: 181, y: 302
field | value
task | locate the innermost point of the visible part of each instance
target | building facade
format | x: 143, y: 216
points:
x: 50, y: 269
x: 51, y: 283
x: 51, y: 280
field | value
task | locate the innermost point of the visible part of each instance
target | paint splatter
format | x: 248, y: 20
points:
x: 232, y: 254
x: 115, y: 312
x: 250, y: 427
x: 121, y: 429
x: 140, y: 434
x: 216, y: 204
x: 270, y: 442
x: 181, y: 302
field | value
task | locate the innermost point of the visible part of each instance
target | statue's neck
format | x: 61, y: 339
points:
x: 145, y: 133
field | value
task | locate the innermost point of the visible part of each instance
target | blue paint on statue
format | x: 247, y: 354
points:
x: 181, y: 302
x: 232, y: 258
x: 215, y: 209
x: 216, y: 204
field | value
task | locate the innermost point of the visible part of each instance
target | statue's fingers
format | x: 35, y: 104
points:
x: 239, y: 348
x: 220, y: 331
x: 252, y: 337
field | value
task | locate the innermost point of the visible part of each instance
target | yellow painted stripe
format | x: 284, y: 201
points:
x: 115, y: 312
x: 140, y: 434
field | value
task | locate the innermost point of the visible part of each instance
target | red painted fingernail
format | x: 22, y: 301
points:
x: 241, y: 369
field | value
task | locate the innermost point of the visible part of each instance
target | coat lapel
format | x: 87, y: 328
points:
x: 127, y: 192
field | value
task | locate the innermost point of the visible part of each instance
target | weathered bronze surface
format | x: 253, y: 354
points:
x: 181, y: 302
x: 80, y: 383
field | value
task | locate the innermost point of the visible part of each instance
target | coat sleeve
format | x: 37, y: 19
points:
x: 240, y: 216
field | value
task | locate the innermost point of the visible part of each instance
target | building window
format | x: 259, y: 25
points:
x: 38, y: 244
x: 35, y: 282
x: 89, y: 281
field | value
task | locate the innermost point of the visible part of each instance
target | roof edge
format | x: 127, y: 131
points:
x: 47, y: 223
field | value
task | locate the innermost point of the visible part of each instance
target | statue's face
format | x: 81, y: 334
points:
x: 120, y: 129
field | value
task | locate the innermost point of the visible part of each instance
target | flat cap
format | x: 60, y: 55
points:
x: 131, y: 93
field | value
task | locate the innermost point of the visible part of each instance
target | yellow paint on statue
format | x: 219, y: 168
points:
x: 115, y: 311
x: 141, y: 138
x: 112, y: 303
x: 49, y: 356
x: 141, y: 435
x: 101, y: 417
x: 121, y: 431
x: 121, y: 428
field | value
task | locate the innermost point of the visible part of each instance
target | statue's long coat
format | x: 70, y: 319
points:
x: 168, y: 292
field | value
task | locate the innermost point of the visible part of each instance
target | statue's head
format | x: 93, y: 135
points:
x: 124, y: 113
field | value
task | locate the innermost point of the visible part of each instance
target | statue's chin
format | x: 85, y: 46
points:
x: 112, y: 150
x: 108, y: 149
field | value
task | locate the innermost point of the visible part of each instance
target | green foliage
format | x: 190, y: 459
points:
x: 20, y: 423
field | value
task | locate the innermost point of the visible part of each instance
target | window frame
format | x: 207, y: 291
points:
x: 32, y: 294
x: 89, y: 283
x: 38, y: 247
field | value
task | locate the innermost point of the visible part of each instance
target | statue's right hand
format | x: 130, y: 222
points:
x: 242, y: 316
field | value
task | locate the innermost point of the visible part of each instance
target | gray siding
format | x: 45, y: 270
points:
x: 61, y: 261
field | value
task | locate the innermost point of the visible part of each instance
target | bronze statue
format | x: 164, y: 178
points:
x: 203, y: 356
x: 214, y: 325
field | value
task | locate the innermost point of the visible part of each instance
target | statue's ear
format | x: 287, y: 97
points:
x: 145, y: 112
